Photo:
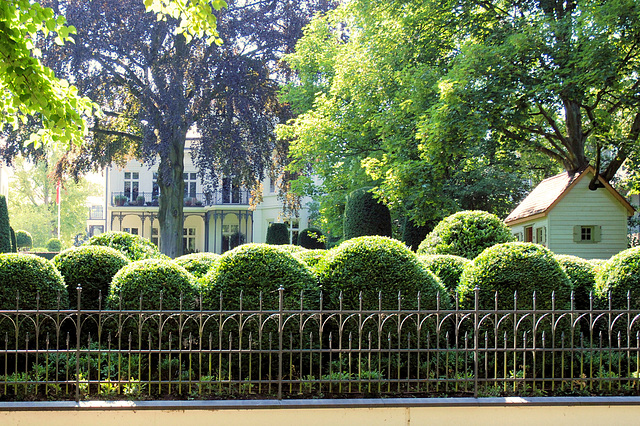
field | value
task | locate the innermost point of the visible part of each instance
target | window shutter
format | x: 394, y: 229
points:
x: 596, y: 236
x: 576, y: 233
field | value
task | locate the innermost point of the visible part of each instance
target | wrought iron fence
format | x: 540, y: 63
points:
x: 294, y: 351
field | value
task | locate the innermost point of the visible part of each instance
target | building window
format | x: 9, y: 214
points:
x: 586, y: 233
x: 133, y: 231
x: 272, y: 185
x: 96, y: 230
x: 231, y: 237
x: 155, y: 237
x: 131, y: 185
x: 230, y: 192
x: 96, y: 212
x: 190, y: 180
x: 155, y: 189
x: 189, y: 240
x: 294, y: 230
x: 541, y: 235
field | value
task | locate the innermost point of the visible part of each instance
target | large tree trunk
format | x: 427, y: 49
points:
x: 575, y: 137
x: 171, y: 184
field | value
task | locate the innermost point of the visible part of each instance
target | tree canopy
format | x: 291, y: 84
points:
x: 460, y: 104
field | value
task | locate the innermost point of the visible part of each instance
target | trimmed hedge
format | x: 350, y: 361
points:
x: 198, y: 264
x: 30, y: 275
x: 619, y: 275
x: 150, y: 278
x: 364, y: 215
x: 23, y: 239
x: 311, y: 238
x: 374, y: 264
x: 291, y: 248
x: 582, y: 274
x: 254, y: 268
x: 413, y: 235
x: 311, y: 257
x: 447, y: 267
x: 54, y: 244
x: 5, y: 228
x: 14, y: 243
x: 510, y: 267
x: 134, y: 247
x: 277, y: 234
x: 92, y: 267
x: 466, y: 234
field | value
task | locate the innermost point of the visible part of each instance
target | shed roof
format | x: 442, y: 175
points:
x: 551, y: 190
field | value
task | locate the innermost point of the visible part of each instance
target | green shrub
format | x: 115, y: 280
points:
x: 23, y: 239
x: 134, y: 247
x: 510, y: 267
x: 14, y: 243
x: 311, y: 257
x: 466, y: 234
x: 291, y: 248
x: 374, y: 264
x: 5, y: 228
x: 277, y: 234
x: 92, y: 267
x: 582, y: 275
x: 198, y: 264
x: 620, y: 275
x: 364, y: 215
x: 447, y: 267
x: 254, y: 268
x: 413, y: 235
x: 151, y: 278
x: 311, y: 238
x: 54, y: 244
x: 30, y: 275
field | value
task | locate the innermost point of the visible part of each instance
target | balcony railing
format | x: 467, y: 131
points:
x: 149, y: 199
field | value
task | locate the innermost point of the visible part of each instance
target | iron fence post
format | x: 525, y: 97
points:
x: 280, y: 333
x: 78, y: 327
x: 475, y: 341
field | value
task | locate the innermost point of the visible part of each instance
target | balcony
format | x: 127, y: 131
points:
x: 149, y: 199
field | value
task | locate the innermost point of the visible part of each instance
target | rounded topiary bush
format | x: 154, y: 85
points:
x: 364, y: 215
x: 91, y: 267
x: 277, y: 234
x: 198, y: 264
x: 311, y: 238
x: 23, y: 239
x: 151, y: 278
x: 254, y: 268
x: 54, y: 244
x: 376, y: 264
x: 30, y: 275
x: 510, y: 267
x: 620, y: 275
x: 134, y: 247
x: 311, y: 257
x: 447, y: 267
x: 466, y: 234
x: 291, y: 248
x: 582, y: 274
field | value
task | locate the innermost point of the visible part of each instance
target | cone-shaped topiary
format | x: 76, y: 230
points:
x: 510, y: 267
x: 254, y: 268
x: 581, y: 272
x: 466, y: 234
x: 277, y: 234
x: 14, y: 242
x: 151, y: 279
x: 23, y: 239
x: 413, y: 235
x: 374, y: 264
x: 5, y: 228
x: 364, y: 215
x: 620, y: 275
x: 311, y: 238
x: 134, y: 247
x: 91, y: 267
x: 198, y: 264
x: 447, y: 267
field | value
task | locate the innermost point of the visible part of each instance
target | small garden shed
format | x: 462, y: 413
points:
x: 567, y: 217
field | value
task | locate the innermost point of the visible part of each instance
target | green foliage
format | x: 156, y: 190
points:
x: 581, y: 272
x: 291, y: 248
x: 23, y: 239
x: 277, y: 233
x: 14, y: 242
x: 311, y: 257
x: 466, y: 234
x: 413, y: 235
x: 447, y: 267
x: 373, y: 264
x: 5, y: 228
x: 507, y: 268
x: 54, y: 244
x: 198, y: 264
x: 196, y: 16
x: 255, y: 268
x: 364, y: 215
x: 91, y: 267
x: 30, y: 275
x: 134, y: 247
x: 152, y: 279
x: 311, y: 238
x: 620, y: 275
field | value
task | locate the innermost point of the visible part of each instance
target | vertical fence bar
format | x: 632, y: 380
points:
x: 280, y: 333
x: 476, y: 292
x: 78, y: 329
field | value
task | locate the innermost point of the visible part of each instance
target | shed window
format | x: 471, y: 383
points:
x: 586, y: 233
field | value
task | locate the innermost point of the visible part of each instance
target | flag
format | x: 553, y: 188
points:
x: 58, y: 193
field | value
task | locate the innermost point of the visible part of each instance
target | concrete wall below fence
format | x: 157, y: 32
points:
x: 441, y: 411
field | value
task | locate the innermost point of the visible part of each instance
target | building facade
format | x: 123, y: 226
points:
x: 214, y: 221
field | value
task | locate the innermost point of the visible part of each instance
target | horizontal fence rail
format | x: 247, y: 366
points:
x: 297, y: 351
